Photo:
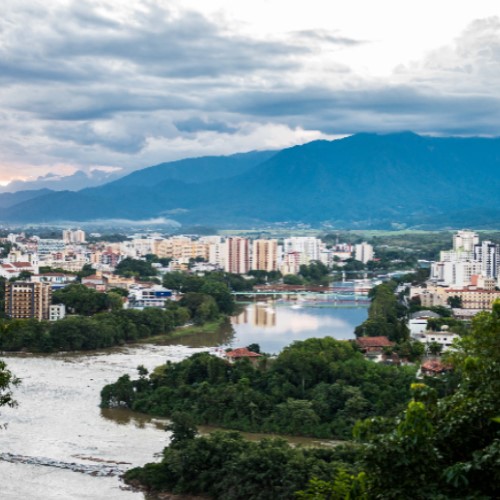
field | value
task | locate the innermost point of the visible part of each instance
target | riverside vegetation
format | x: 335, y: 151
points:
x: 317, y: 387
x: 98, y: 320
x: 437, y: 448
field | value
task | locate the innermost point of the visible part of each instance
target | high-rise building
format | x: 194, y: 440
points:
x: 488, y: 254
x: 363, y: 252
x: 265, y: 255
x: 238, y: 255
x: 464, y: 241
x: 308, y: 247
x: 26, y: 300
x: 69, y: 236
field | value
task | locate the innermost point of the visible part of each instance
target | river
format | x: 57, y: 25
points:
x: 58, y: 427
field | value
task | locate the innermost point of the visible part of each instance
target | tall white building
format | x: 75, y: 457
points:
x: 468, y: 258
x: 77, y: 236
x: 217, y: 254
x: 488, y: 254
x: 363, y: 252
x: 464, y: 241
x: 309, y: 247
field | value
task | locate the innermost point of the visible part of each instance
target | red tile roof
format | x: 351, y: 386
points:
x: 242, y: 352
x: 435, y: 366
x: 366, y: 342
x: 21, y: 264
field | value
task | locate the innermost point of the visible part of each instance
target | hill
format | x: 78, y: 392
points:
x: 366, y: 180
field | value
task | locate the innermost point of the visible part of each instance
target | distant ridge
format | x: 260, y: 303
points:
x: 365, y: 180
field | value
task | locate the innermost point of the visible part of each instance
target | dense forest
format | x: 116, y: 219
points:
x: 438, y: 448
x: 317, y: 387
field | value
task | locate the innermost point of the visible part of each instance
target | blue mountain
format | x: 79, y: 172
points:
x: 366, y: 180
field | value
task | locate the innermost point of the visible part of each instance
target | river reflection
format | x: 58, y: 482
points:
x: 273, y: 325
x: 276, y: 324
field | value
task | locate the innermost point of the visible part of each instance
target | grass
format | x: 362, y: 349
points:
x: 184, y: 331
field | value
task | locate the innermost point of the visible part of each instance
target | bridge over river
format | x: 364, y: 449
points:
x: 331, y: 298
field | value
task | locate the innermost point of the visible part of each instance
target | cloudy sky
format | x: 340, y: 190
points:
x: 109, y: 84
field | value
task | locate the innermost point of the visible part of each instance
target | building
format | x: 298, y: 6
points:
x: 433, y: 368
x: 465, y: 241
x: 309, y: 247
x: 418, y: 321
x: 488, y: 254
x: 242, y: 353
x: 76, y: 237
x: 238, y: 255
x: 155, y: 296
x: 26, y: 300
x: 14, y: 269
x: 57, y: 312
x: 265, y: 255
x: 363, y: 252
x: 291, y: 263
x: 369, y: 345
x: 443, y: 338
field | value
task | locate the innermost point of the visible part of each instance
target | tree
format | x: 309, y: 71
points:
x: 447, y: 447
x: 435, y: 348
x: 134, y: 267
x: 87, y: 270
x: 292, y: 279
x: 182, y: 427
x: 7, y: 382
x: 455, y: 302
x: 221, y: 294
x: 24, y: 276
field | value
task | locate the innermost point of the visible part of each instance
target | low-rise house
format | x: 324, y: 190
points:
x: 373, y: 345
x: 242, y: 353
x: 418, y: 321
x: 10, y: 270
x: 443, y: 338
x: 434, y: 368
x: 57, y: 312
x: 150, y: 296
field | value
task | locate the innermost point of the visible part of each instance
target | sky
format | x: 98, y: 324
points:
x: 110, y: 85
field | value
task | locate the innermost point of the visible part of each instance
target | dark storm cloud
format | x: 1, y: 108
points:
x: 379, y: 108
x: 79, y: 44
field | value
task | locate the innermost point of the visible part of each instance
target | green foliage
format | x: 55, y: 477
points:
x: 344, y: 486
x: 455, y: 301
x: 318, y: 387
x: 7, y: 382
x: 84, y: 333
x: 201, y: 307
x: 134, y: 267
x: 219, y: 291
x: 446, y: 447
x: 224, y: 465
x: 386, y: 316
x: 87, y: 270
x: 292, y: 279
x: 315, y: 273
x: 182, y: 428
x: 79, y: 299
x: 262, y: 277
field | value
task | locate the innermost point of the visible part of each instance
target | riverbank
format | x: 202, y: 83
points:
x: 188, y: 330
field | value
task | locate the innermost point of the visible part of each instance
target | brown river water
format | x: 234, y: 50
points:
x: 58, y: 443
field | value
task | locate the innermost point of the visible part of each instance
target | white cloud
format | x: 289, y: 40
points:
x: 130, y: 84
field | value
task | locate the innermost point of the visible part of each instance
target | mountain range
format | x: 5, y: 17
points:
x: 362, y: 181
